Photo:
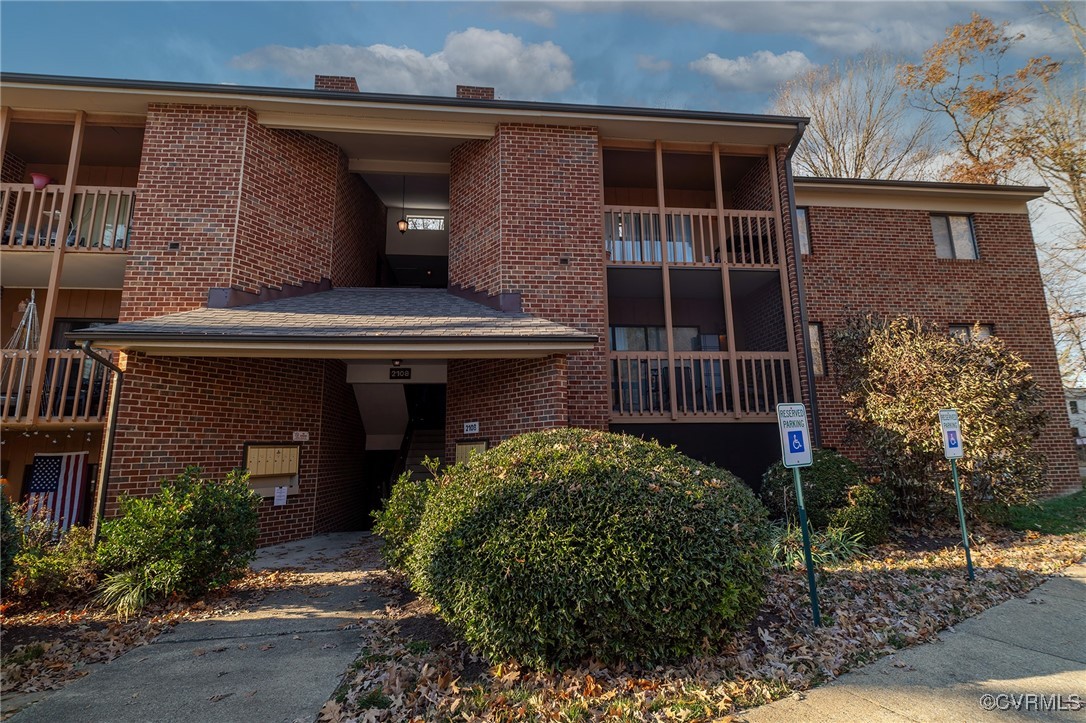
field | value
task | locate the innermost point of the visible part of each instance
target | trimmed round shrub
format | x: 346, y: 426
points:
x: 825, y: 488
x: 398, y: 520
x: 9, y: 540
x: 556, y: 546
x: 192, y: 536
x: 867, y: 513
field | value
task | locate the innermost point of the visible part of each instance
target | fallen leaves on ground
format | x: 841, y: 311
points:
x: 900, y: 595
x: 48, y: 647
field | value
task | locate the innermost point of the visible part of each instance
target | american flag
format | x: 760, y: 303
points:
x: 57, y: 485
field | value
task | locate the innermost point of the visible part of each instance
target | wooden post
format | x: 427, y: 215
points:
x: 786, y: 294
x: 49, y: 310
x: 725, y: 273
x: 667, y: 278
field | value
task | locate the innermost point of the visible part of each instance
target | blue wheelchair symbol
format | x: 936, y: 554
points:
x: 951, y: 438
x: 795, y: 442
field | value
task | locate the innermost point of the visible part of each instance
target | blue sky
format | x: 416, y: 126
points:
x: 709, y: 55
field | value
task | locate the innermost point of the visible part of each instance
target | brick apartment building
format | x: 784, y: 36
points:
x: 236, y: 253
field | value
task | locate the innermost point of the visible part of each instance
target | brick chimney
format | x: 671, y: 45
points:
x: 474, y: 92
x: 342, y: 83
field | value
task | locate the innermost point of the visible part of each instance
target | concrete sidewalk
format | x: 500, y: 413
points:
x: 279, y: 662
x: 1034, y: 645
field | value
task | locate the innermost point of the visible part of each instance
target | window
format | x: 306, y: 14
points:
x: 953, y: 237
x: 814, y: 340
x: 1074, y: 407
x: 803, y: 231
x: 971, y: 332
x: 425, y: 223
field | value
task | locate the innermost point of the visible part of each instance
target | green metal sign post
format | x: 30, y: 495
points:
x: 796, y: 452
x: 952, y: 449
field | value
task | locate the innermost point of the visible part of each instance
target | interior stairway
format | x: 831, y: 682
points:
x: 424, y: 443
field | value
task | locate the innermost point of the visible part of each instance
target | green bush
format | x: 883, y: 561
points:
x: 192, y: 536
x: 45, y: 570
x: 867, y: 514
x: 555, y: 546
x: 397, y: 522
x: 894, y: 376
x: 832, y: 546
x: 9, y: 540
x: 825, y: 488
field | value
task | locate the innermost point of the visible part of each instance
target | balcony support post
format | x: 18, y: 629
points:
x: 664, y: 248
x: 729, y: 322
x: 5, y: 126
x: 49, y: 310
x: 107, y: 439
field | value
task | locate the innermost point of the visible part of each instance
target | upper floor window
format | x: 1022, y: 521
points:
x: 1074, y: 407
x: 971, y: 332
x: 803, y: 231
x: 425, y: 223
x: 953, y: 236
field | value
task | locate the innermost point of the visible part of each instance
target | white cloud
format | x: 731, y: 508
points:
x: 470, y: 57
x: 762, y: 70
x: 653, y: 64
x: 529, y: 12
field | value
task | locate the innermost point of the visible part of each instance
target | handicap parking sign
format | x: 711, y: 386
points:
x: 952, y: 433
x: 795, y: 442
x: 792, y: 421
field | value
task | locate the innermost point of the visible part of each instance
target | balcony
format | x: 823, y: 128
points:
x: 101, y: 217
x: 74, y: 389
x: 712, y: 386
x: 690, y: 237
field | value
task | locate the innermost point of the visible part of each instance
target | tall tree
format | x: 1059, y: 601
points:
x: 965, y: 78
x: 861, y: 123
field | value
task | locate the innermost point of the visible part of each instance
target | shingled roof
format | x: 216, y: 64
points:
x: 346, y: 323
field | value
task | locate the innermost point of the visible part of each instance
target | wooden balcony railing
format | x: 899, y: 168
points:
x: 101, y: 217
x: 634, y: 236
x: 75, y: 388
x: 707, y: 384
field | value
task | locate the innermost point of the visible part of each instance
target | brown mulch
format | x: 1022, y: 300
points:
x: 901, y: 594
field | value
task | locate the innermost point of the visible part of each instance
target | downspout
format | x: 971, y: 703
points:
x: 816, y: 426
x: 111, y: 432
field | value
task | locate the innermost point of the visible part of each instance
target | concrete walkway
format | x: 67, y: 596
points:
x: 279, y: 662
x: 1030, y: 646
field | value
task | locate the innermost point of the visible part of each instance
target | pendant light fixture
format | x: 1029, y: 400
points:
x: 402, y: 223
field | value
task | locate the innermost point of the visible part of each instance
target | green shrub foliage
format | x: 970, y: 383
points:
x: 867, y: 514
x: 825, y: 488
x: 556, y: 546
x: 832, y: 546
x: 9, y: 540
x: 51, y: 565
x: 895, y: 375
x: 397, y: 522
x: 192, y: 536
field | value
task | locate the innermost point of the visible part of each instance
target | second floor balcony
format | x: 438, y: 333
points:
x: 33, y: 219
x: 74, y: 390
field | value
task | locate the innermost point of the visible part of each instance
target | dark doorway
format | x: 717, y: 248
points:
x: 426, y: 405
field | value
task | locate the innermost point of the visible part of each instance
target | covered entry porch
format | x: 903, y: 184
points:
x: 207, y: 386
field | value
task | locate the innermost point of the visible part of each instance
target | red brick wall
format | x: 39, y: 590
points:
x: 475, y: 216
x: 13, y: 169
x: 180, y: 411
x: 359, y: 236
x: 544, y: 169
x: 187, y: 194
x: 476, y: 92
x: 287, y: 210
x: 754, y: 191
x: 883, y: 261
x: 792, y: 276
x: 339, y: 454
x: 506, y: 396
